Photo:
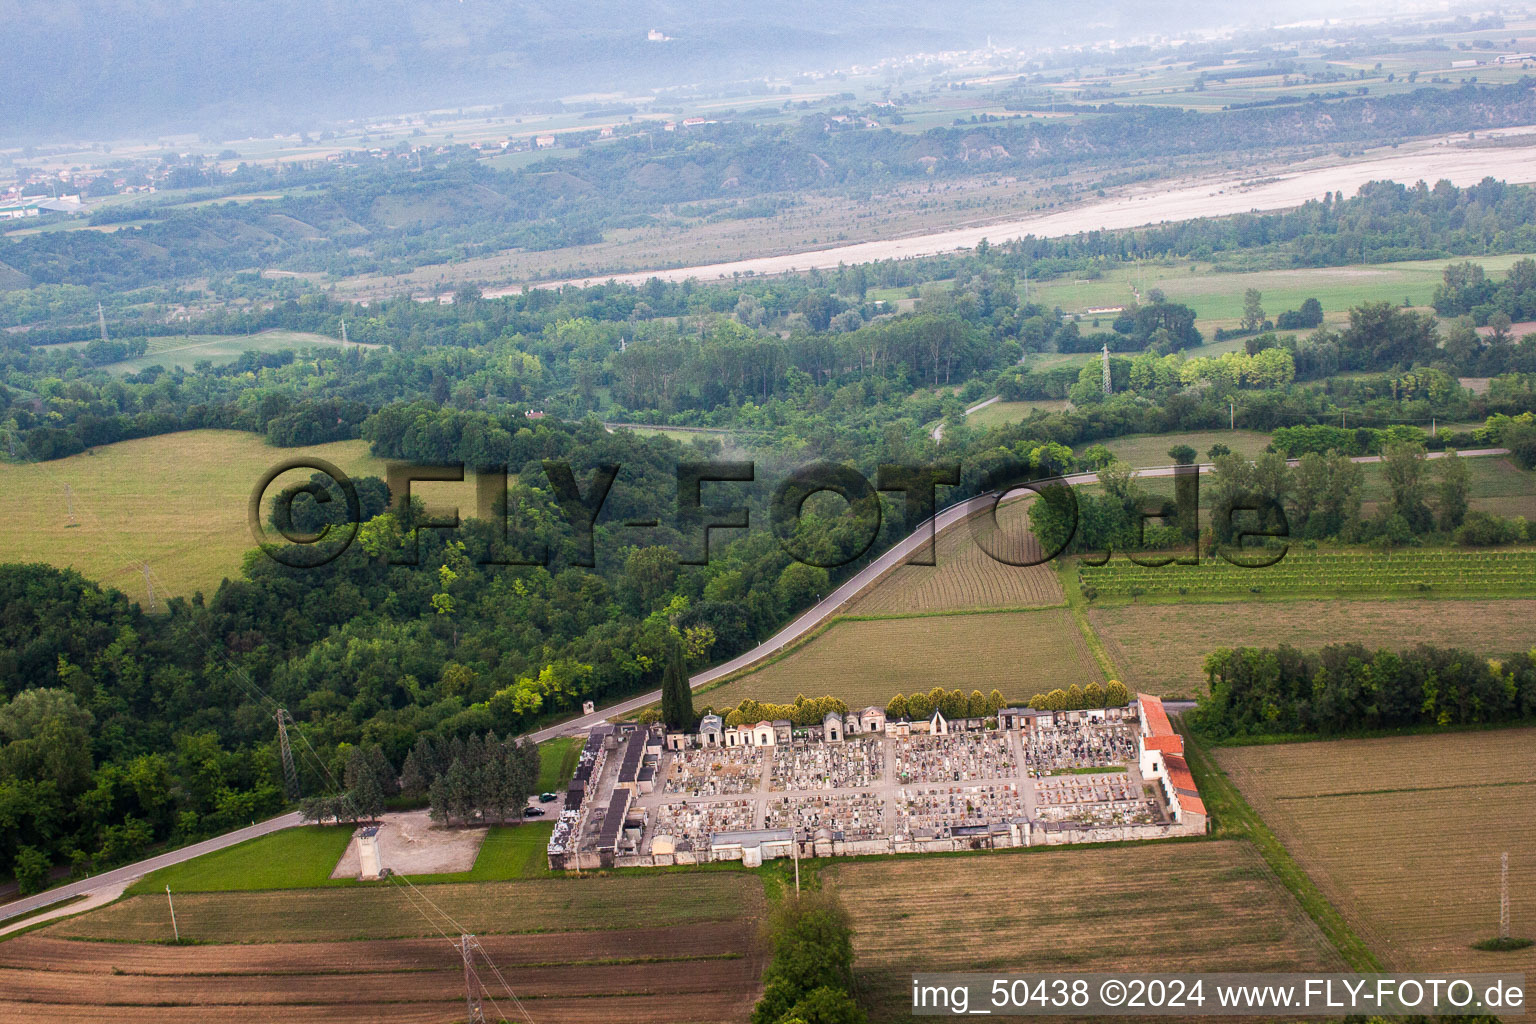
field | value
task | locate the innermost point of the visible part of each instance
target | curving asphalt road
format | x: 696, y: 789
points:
x: 804, y: 624
x: 129, y: 872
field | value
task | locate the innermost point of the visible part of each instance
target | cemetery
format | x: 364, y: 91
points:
x: 865, y: 786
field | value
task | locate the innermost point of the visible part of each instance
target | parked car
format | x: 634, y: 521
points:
x: 545, y: 798
x: 534, y: 812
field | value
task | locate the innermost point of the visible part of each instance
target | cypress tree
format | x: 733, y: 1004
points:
x: 676, y: 695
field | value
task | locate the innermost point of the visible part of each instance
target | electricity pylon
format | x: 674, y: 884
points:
x: 1504, y: 896
x: 290, y: 773
x: 473, y: 991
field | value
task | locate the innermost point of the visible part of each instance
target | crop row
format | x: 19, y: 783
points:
x: 1310, y: 571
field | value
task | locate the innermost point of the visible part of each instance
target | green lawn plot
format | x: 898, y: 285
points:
x: 189, y: 350
x: 509, y: 852
x: 1217, y: 295
x: 304, y: 857
x: 557, y: 762
x: 1000, y: 413
x: 1152, y: 449
x: 295, y: 858
x: 174, y: 501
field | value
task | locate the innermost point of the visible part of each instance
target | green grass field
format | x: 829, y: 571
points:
x: 303, y: 858
x: 1217, y: 296
x: 295, y: 858
x: 175, y: 501
x: 170, y: 351
x: 1152, y: 449
x: 557, y: 762
x: 999, y: 413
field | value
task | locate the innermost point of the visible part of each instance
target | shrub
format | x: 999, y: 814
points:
x: 1480, y: 529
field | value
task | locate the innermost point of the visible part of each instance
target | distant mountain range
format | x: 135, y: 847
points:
x: 108, y: 68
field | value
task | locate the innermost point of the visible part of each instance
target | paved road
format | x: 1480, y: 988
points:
x: 129, y: 872
x: 938, y: 431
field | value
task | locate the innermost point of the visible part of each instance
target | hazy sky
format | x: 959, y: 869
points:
x: 111, y: 67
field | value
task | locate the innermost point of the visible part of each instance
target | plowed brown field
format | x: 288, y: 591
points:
x: 1212, y: 906
x: 704, y: 968
x: 1404, y: 835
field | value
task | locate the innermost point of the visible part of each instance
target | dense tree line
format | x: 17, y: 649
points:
x: 1112, y: 694
x: 809, y: 977
x: 1319, y: 498
x: 951, y: 703
x: 1347, y: 687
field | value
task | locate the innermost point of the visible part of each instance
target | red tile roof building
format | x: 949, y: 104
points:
x: 1162, y: 759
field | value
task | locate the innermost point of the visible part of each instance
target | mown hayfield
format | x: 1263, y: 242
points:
x: 1404, y: 835
x: 1152, y: 449
x: 294, y: 858
x: 1218, y: 296
x: 999, y: 413
x: 966, y: 577
x: 700, y: 971
x: 176, y: 501
x: 1161, y: 648
x: 1189, y: 906
x: 685, y: 435
x: 394, y: 910
x: 187, y: 350
x: 868, y: 661
x: 303, y: 858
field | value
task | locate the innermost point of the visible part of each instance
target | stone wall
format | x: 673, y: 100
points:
x: 1033, y: 834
